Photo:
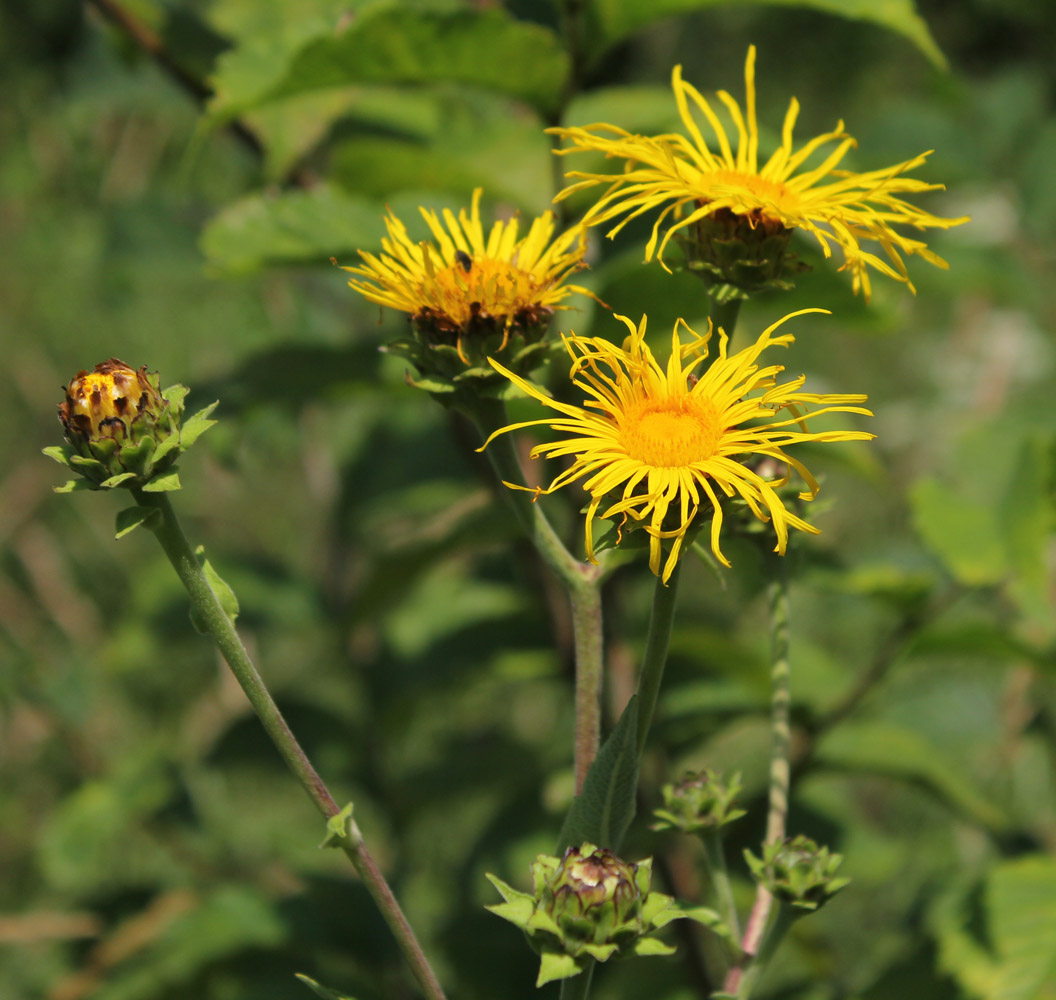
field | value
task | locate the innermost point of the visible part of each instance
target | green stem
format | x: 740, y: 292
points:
x: 780, y: 700
x: 656, y: 643
x: 582, y: 582
x: 724, y: 315
x: 780, y: 768
x: 720, y: 880
x: 222, y: 631
x: 774, y: 936
x: 578, y: 987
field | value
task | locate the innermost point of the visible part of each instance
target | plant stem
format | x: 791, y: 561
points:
x: 720, y: 880
x: 222, y: 631
x: 656, y: 643
x: 778, y: 929
x: 724, y: 315
x: 582, y: 582
x: 780, y: 698
x: 578, y: 987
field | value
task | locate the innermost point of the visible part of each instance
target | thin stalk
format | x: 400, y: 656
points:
x: 578, y: 987
x: 222, y: 631
x: 780, y: 769
x: 774, y: 936
x: 656, y: 643
x: 582, y: 582
x: 720, y: 880
x: 724, y: 315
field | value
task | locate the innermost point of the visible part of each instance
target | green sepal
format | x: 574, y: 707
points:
x: 321, y: 991
x: 195, y: 426
x: 556, y: 965
x: 137, y: 459
x: 121, y: 477
x: 601, y: 952
x: 90, y: 467
x: 75, y: 486
x: 60, y: 453
x: 131, y: 518
x: 652, y: 946
x: 167, y: 444
x: 341, y: 829
x: 174, y: 395
x: 163, y: 484
x: 430, y: 385
x: 103, y: 449
x: 224, y: 594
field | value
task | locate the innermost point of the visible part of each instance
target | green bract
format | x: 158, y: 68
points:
x: 590, y: 905
x: 701, y: 801
x: 798, y: 872
x: 122, y: 430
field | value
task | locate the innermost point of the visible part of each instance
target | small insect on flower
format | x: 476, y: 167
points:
x: 464, y: 260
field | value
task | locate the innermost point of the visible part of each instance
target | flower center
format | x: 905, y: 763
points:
x: 671, y: 433
x: 761, y: 187
x: 493, y: 287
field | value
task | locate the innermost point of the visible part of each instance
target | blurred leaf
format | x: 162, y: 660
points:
x: 398, y: 43
x: 880, y: 748
x: 1017, y: 960
x: 225, y: 923
x: 319, y: 990
x: 991, y: 517
x: 604, y: 809
x: 610, y: 21
x: 306, y: 226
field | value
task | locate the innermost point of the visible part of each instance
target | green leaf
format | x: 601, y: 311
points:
x: 652, y: 946
x: 320, y: 990
x: 121, y: 477
x: 175, y: 394
x: 228, y: 601
x: 60, y: 453
x: 137, y: 457
x: 1018, y: 909
x: 394, y: 43
x: 163, y: 484
x: 131, y: 518
x: 75, y: 486
x: 610, y: 21
x: 299, y: 226
x: 556, y: 965
x: 880, y: 748
x: 194, y: 427
x: 604, y: 810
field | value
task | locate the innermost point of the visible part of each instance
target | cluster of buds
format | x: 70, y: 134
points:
x: 701, y: 802
x: 122, y: 430
x: 588, y: 905
x: 798, y: 872
x: 740, y: 255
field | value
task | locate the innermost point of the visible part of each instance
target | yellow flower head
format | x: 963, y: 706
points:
x: 696, y: 181
x: 657, y: 444
x: 464, y: 284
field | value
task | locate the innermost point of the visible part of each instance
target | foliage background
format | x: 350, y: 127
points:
x: 152, y: 845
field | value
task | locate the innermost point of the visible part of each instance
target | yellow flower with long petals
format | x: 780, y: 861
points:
x: 696, y: 181
x: 664, y: 446
x: 465, y: 284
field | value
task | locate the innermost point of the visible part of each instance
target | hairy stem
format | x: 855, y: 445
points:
x: 720, y: 880
x: 578, y: 987
x: 724, y: 315
x: 222, y: 631
x: 581, y: 580
x: 773, y: 937
x: 780, y: 768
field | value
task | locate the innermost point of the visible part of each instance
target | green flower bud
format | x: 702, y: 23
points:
x: 590, y: 905
x: 700, y: 802
x: 123, y: 430
x: 798, y: 872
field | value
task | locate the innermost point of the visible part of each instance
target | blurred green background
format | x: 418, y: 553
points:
x: 153, y: 847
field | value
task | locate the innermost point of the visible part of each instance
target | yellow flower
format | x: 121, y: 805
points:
x: 464, y: 285
x: 695, y: 182
x: 657, y: 444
